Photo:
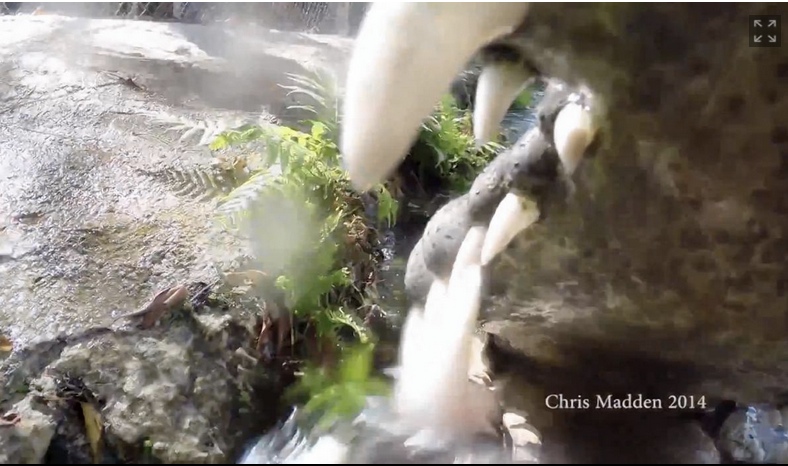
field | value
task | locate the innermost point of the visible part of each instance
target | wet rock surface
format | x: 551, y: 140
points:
x: 91, y: 227
x: 754, y: 435
x: 28, y: 442
x: 184, y: 387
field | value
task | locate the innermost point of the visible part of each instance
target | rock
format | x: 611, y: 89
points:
x: 754, y: 435
x: 94, y: 207
x: 525, y: 439
x: 27, y: 441
x: 97, y: 217
x: 239, y: 69
x: 166, y: 396
x: 179, y: 387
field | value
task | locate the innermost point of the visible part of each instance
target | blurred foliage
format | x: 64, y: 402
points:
x: 316, y: 237
x: 303, y: 169
x: 339, y: 392
x: 321, y: 284
x: 446, y: 152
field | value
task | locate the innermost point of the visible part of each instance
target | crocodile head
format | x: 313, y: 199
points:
x: 676, y: 245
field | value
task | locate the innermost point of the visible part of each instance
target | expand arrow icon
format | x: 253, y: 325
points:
x: 772, y: 39
x: 757, y: 23
x: 772, y: 23
x: 757, y: 39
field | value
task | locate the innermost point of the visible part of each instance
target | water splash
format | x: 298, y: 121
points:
x: 289, y: 444
x: 436, y: 414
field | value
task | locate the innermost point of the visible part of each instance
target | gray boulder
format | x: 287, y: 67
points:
x: 98, y: 213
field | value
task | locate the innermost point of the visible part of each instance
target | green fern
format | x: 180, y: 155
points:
x: 204, y: 131
x: 190, y: 129
x: 301, y: 175
x: 340, y: 317
x: 201, y: 183
x: 449, y: 135
x: 305, y: 166
x: 236, y: 204
x: 321, y: 88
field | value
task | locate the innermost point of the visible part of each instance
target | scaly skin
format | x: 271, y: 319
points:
x: 675, y: 242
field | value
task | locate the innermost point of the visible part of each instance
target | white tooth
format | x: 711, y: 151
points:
x: 404, y: 58
x: 573, y: 132
x: 436, y: 297
x: 464, y: 299
x: 470, y: 252
x: 468, y: 408
x: 513, y: 215
x: 434, y: 369
x: 411, y: 362
x: 499, y: 84
x: 426, y: 369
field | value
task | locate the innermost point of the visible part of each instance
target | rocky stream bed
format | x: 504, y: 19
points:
x: 89, y: 232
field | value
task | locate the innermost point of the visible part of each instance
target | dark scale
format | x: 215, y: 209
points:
x: 530, y: 167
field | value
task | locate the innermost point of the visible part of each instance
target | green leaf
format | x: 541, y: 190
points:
x: 318, y: 130
x: 356, y: 367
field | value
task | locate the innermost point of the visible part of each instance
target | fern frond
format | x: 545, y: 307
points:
x: 339, y: 318
x: 321, y: 88
x: 200, y: 183
x: 312, y: 87
x: 319, y: 99
x: 204, y: 131
x: 238, y: 202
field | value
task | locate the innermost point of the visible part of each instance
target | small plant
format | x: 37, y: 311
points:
x: 446, y: 151
x: 526, y: 98
x: 320, y: 247
x: 447, y: 146
x: 303, y: 170
x: 339, y: 393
